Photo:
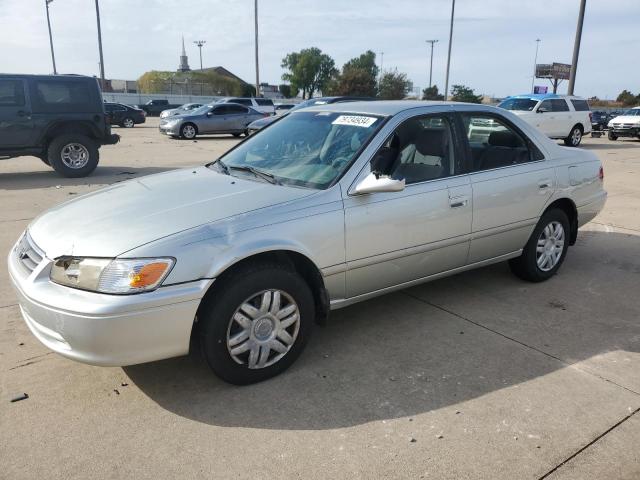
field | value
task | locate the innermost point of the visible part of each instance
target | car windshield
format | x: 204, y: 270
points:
x: 309, y: 103
x: 632, y: 112
x: 522, y: 104
x: 306, y: 149
x: 200, y: 110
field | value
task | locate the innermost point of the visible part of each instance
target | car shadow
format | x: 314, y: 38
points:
x: 432, y: 346
x: 618, y: 144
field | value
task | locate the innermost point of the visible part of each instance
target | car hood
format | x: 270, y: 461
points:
x: 626, y: 119
x: 116, y: 219
x: 263, y: 122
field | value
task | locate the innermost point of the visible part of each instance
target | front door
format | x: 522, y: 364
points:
x: 397, y: 237
x: 16, y: 122
x: 213, y: 121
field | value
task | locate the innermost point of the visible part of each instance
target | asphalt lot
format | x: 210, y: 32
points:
x: 479, y: 375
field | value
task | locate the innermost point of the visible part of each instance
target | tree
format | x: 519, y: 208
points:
x: 201, y: 82
x: 393, y: 85
x: 358, y: 77
x: 431, y: 93
x: 627, y: 98
x: 460, y: 93
x: 309, y: 70
x: 287, y: 91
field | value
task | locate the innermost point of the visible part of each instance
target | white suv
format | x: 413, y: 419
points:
x: 262, y: 105
x: 625, y: 125
x: 557, y: 116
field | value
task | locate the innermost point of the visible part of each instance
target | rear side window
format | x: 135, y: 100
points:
x: 61, y: 96
x: 264, y: 102
x: 11, y: 93
x: 559, y: 105
x: 580, y: 105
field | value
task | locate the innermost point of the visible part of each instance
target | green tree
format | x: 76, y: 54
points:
x: 627, y: 98
x: 309, y: 70
x: 287, y: 91
x: 431, y: 93
x: 203, y: 82
x: 393, y: 85
x: 460, y: 93
x: 358, y: 77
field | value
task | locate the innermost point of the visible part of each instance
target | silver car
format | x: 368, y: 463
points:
x: 182, y: 109
x: 331, y: 205
x: 216, y: 118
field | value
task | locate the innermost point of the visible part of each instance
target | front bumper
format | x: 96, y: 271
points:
x: 169, y: 130
x: 107, y: 330
x: 625, y: 131
x: 111, y: 139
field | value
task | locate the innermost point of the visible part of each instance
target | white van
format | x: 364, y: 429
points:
x: 262, y: 105
x: 557, y: 116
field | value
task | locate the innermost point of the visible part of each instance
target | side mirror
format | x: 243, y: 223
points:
x: 373, y: 183
x: 209, y: 114
x: 542, y: 110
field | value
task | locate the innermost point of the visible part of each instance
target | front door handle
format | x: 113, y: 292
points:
x: 457, y: 202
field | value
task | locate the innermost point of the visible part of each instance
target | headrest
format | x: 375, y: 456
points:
x: 432, y: 143
x: 504, y: 138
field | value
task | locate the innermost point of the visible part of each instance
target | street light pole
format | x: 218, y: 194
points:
x: 200, y: 43
x: 576, y: 48
x: 535, y: 62
x: 53, y: 57
x: 431, y: 62
x: 255, y: 3
x: 446, y: 83
x: 100, y: 47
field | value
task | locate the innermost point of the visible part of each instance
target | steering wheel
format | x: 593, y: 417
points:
x: 339, y: 162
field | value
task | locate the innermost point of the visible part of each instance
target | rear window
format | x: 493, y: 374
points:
x: 62, y: 96
x: 11, y: 93
x: 580, y: 105
x: 264, y: 102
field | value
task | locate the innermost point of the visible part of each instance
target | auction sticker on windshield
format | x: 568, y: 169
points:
x: 354, y: 120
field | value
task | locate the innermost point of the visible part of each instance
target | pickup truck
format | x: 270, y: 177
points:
x: 154, y: 107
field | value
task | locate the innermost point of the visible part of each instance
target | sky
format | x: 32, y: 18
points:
x: 492, y: 51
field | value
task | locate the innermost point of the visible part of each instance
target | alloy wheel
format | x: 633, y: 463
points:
x: 550, y: 246
x: 128, y: 123
x: 74, y: 155
x: 188, y: 131
x: 576, y: 136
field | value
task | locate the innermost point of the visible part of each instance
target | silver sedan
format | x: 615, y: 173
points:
x: 210, y: 119
x: 329, y: 206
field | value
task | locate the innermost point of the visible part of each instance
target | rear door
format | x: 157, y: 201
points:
x: 511, y: 182
x: 16, y: 121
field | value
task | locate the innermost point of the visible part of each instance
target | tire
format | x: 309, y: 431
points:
x: 236, y: 134
x: 527, y: 266
x: 188, y: 131
x: 217, y: 325
x: 575, y: 137
x: 128, y: 122
x: 73, y: 155
x: 611, y: 136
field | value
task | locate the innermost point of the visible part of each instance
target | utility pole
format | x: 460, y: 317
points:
x: 431, y: 62
x: 446, y: 83
x: 200, y: 43
x: 535, y: 62
x: 381, y: 63
x: 53, y: 57
x: 255, y: 3
x: 100, y: 47
x: 576, y: 48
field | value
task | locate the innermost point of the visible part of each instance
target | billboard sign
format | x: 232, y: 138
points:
x: 560, y: 71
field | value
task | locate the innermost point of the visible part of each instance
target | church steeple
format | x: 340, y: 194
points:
x: 184, y: 61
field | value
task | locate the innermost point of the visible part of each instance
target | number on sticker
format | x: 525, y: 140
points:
x: 354, y: 120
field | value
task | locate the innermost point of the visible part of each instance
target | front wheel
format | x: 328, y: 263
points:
x: 612, y: 136
x: 128, y: 122
x: 188, y: 131
x: 574, y: 138
x: 73, y: 155
x: 255, y: 323
x: 546, y: 249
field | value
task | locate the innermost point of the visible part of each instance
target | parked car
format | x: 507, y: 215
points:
x: 332, y: 205
x: 557, y: 116
x: 59, y: 119
x: 124, y: 115
x: 263, y: 122
x: 187, y: 107
x: 283, y: 107
x: 599, y: 120
x: 625, y: 125
x: 216, y: 118
x: 262, y: 105
x: 153, y: 108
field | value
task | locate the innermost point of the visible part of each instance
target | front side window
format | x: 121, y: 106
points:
x: 236, y: 109
x: 545, y: 106
x: 422, y: 150
x: 494, y: 144
x: 11, y: 93
x: 307, y: 149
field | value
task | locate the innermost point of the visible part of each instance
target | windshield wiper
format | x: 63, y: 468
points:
x: 224, y: 167
x: 269, y: 177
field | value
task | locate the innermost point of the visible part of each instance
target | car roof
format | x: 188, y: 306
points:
x: 384, y: 107
x: 544, y: 96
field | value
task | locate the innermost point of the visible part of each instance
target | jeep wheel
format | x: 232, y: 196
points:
x: 127, y: 122
x: 73, y: 155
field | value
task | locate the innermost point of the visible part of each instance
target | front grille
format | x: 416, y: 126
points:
x: 28, y: 253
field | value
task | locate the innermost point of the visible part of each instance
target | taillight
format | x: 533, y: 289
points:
x: 601, y: 173
x: 590, y: 117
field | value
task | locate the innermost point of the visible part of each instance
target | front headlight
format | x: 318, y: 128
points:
x: 119, y: 276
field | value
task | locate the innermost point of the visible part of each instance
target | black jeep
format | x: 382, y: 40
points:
x: 57, y: 118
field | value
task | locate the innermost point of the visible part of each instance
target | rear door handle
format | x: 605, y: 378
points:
x: 544, y: 184
x: 457, y: 202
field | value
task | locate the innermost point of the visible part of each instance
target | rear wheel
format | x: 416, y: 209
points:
x: 73, y: 155
x: 546, y: 249
x: 575, y: 137
x: 255, y: 323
